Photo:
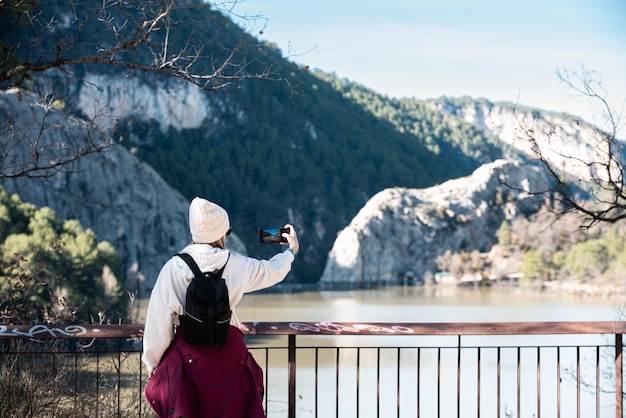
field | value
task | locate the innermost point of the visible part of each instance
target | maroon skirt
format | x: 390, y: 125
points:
x: 203, y: 382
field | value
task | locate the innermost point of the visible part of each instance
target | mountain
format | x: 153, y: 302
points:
x: 112, y: 192
x: 565, y: 140
x: 312, y: 152
x: 400, y: 232
x: 311, y: 159
x: 475, y: 131
x: 269, y: 152
x: 443, y: 133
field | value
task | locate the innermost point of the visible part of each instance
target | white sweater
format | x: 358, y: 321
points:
x: 167, y: 300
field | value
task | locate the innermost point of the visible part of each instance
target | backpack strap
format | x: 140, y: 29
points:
x: 194, y: 267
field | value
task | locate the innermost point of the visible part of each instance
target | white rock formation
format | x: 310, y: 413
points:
x: 103, y: 99
x: 400, y: 232
x: 569, y: 144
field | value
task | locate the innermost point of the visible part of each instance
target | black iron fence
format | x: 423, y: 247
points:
x: 529, y: 369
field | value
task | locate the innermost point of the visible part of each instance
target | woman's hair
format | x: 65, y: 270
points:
x: 217, y: 244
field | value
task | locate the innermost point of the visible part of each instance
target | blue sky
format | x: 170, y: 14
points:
x: 497, y: 49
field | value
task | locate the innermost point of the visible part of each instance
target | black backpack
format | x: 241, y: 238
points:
x: 207, y: 308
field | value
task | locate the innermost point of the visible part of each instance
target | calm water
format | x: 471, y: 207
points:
x: 358, y: 390
x: 421, y: 304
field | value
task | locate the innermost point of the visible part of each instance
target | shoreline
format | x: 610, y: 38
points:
x: 581, y: 290
x: 547, y: 289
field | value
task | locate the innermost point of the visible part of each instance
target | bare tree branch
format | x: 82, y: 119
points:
x: 191, y: 41
x: 168, y: 58
x: 587, y: 173
x: 44, y: 147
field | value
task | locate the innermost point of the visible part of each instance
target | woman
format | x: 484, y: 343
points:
x: 196, y: 381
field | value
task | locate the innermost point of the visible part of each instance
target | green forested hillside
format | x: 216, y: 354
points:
x: 313, y: 158
x: 311, y: 151
x: 310, y: 155
x: 440, y: 133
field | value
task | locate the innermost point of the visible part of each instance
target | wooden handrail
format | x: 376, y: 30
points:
x: 437, y: 328
x: 334, y: 328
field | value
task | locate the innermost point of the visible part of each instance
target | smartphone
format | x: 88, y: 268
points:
x: 272, y: 235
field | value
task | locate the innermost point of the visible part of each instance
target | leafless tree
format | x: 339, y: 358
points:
x: 587, y: 175
x: 183, y: 40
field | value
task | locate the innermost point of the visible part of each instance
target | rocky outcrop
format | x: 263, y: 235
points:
x: 566, y: 142
x: 104, y: 98
x: 123, y: 200
x: 400, y: 232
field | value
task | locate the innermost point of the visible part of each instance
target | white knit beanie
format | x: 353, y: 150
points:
x: 208, y: 222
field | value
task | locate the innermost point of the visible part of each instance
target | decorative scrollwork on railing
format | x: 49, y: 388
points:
x: 38, y: 330
x: 393, y: 329
x: 330, y: 327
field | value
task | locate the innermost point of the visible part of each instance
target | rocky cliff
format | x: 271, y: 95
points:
x: 565, y: 141
x: 400, y: 232
x: 122, y: 199
x: 104, y: 98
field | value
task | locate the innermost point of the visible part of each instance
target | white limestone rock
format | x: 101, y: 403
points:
x: 400, y: 232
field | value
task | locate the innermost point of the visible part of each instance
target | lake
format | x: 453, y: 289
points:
x: 402, y: 304
x: 425, y: 304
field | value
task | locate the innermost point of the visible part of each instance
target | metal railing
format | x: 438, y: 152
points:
x: 556, y: 369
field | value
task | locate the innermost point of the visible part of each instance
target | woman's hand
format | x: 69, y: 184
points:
x: 292, y: 238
